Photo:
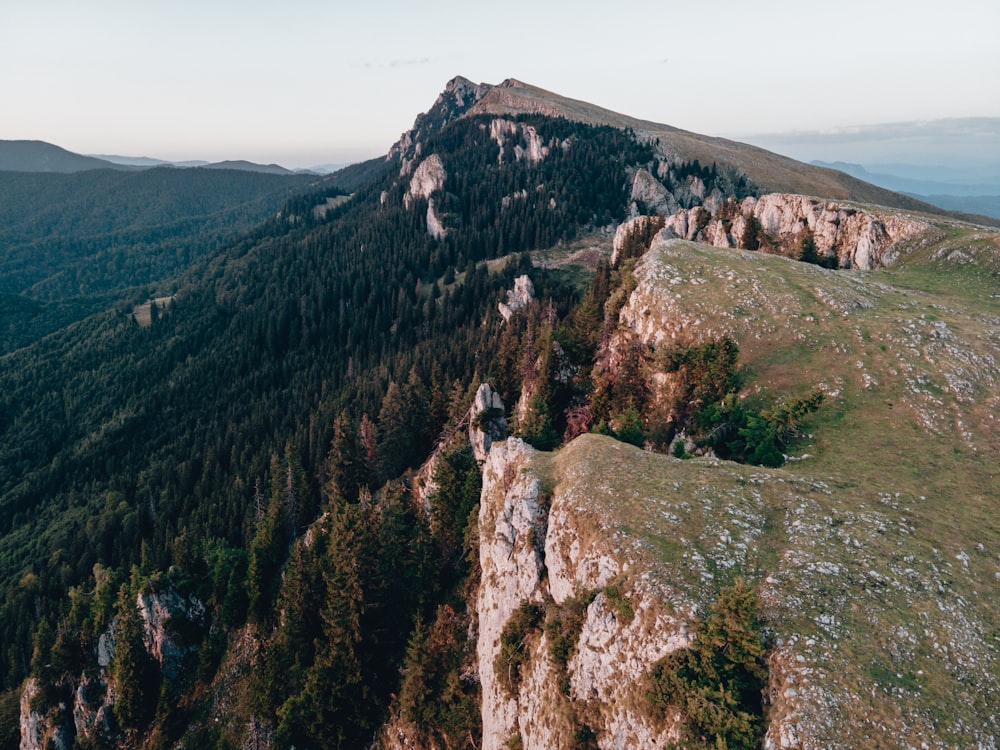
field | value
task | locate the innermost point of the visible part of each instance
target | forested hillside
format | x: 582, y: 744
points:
x: 75, y: 244
x: 150, y: 449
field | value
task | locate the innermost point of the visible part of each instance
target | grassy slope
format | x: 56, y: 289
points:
x: 877, y: 554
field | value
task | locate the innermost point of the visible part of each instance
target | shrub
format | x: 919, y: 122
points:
x: 630, y: 428
x: 679, y: 451
x: 717, y: 683
x: 513, y: 645
x: 563, y: 624
x: 619, y: 602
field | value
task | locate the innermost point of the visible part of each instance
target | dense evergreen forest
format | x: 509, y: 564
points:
x: 254, y: 447
x: 76, y: 244
x: 125, y: 446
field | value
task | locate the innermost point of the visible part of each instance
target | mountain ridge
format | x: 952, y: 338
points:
x: 773, y: 172
x: 225, y: 524
x: 39, y: 156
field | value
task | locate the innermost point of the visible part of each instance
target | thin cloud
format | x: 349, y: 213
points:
x: 396, y: 64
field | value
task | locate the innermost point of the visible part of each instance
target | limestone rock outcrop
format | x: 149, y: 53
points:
x: 164, y: 614
x: 856, y: 237
x: 458, y: 96
x: 428, y: 178
x: 84, y: 710
x: 487, y: 421
x: 651, y: 193
x: 533, y: 551
x: 527, y: 143
x: 629, y: 227
x: 519, y: 297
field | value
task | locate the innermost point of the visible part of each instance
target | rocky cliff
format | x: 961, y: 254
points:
x: 600, y: 558
x: 77, y: 710
x: 855, y: 237
x: 539, y: 547
x: 428, y: 178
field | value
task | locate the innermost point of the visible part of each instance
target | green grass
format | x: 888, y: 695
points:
x: 878, y: 550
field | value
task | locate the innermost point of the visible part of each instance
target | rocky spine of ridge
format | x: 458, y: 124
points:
x: 532, y: 552
x: 850, y: 236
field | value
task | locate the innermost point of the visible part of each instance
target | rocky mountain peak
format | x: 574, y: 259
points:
x: 460, y: 88
x: 458, y: 96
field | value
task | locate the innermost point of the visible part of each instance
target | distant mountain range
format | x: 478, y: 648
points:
x: 39, y: 156
x: 952, y: 163
x: 954, y: 189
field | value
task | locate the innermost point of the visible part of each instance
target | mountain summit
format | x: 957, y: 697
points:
x: 771, y: 172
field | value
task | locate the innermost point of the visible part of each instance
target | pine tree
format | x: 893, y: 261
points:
x: 368, y: 435
x: 133, y: 671
x: 418, y: 419
x: 717, y: 683
x: 807, y: 248
x: 345, y: 463
x: 268, y: 549
x: 753, y: 233
x: 333, y: 709
x: 393, y: 427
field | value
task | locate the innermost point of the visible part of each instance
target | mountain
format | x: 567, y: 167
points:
x: 249, y: 166
x: 328, y: 168
x: 983, y: 205
x: 38, y: 156
x: 85, y: 242
x: 549, y: 429
x: 132, y: 161
x: 772, y: 172
x: 926, y: 185
x: 148, y: 162
x: 956, y: 195
x: 966, y: 145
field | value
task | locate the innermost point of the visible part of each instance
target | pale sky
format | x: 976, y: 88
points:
x: 305, y: 82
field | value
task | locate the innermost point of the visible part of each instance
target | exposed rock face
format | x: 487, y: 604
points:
x: 511, y: 521
x: 519, y: 297
x: 31, y: 721
x: 532, y: 150
x: 487, y: 422
x: 628, y: 227
x: 530, y: 552
x: 92, y: 709
x: 519, y: 195
x: 651, y: 192
x: 39, y: 731
x: 428, y: 178
x: 458, y: 96
x: 88, y: 698
x: 163, y: 614
x: 856, y: 237
x: 106, y: 646
x: 435, y: 228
